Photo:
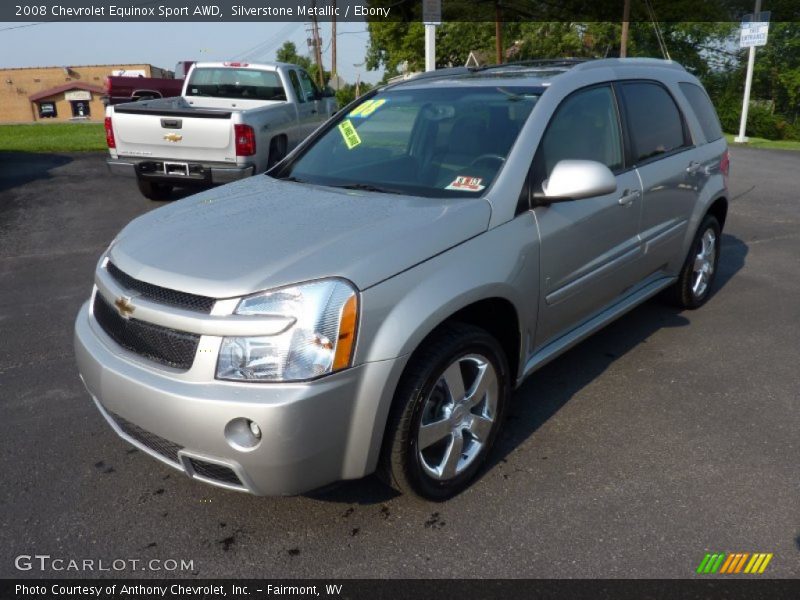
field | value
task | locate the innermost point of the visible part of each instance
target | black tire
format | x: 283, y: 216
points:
x: 277, y: 151
x: 685, y: 292
x: 154, y: 190
x: 403, y: 465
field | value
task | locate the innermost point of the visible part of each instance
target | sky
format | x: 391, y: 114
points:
x: 164, y: 44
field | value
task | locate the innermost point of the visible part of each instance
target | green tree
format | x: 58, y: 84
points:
x: 288, y: 54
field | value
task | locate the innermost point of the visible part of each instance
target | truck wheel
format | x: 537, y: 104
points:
x: 697, y: 275
x: 277, y: 150
x: 154, y: 190
x: 446, y: 413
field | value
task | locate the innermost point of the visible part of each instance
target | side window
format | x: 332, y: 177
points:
x: 653, y: 118
x: 309, y: 89
x: 703, y: 110
x: 585, y: 127
x: 298, y: 91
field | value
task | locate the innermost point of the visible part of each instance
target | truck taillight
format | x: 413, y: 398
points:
x: 725, y: 163
x: 110, y: 134
x: 245, y: 140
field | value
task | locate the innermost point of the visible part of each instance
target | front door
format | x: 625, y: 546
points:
x: 590, y: 248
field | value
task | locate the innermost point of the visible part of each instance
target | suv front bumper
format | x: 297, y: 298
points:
x: 312, y: 433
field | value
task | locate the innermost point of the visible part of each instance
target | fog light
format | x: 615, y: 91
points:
x: 242, y: 434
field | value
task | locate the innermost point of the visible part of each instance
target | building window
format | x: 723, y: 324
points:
x: 80, y: 109
x: 47, y: 110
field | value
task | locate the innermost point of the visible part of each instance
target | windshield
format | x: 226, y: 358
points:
x: 434, y: 141
x: 227, y: 82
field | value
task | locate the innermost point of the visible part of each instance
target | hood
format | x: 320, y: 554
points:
x: 262, y: 233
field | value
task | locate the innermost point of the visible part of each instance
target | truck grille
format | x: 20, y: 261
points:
x: 184, y: 300
x: 169, y: 347
x: 157, y: 444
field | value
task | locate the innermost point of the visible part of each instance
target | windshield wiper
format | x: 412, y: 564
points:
x: 368, y: 187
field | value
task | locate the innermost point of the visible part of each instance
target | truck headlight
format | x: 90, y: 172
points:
x: 321, y: 340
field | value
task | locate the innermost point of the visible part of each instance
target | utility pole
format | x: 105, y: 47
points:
x: 626, y: 17
x: 317, y: 43
x: 333, y: 45
x: 430, y: 47
x: 431, y: 17
x: 748, y: 83
x: 498, y: 32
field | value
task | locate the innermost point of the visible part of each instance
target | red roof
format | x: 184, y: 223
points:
x: 77, y: 85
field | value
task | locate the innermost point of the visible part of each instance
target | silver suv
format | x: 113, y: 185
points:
x: 371, y: 303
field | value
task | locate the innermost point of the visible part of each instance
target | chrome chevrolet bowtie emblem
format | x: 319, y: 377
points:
x: 124, y: 307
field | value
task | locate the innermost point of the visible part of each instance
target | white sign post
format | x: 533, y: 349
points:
x: 754, y: 32
x: 431, y: 16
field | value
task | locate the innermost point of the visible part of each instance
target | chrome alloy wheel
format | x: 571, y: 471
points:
x: 704, y: 263
x: 458, y: 417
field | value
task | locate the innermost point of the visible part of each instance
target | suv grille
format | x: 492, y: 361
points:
x: 158, y: 444
x: 184, y: 300
x: 160, y: 344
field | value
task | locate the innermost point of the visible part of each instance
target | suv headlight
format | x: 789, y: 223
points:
x: 320, y: 341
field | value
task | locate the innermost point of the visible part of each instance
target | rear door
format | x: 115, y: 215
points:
x: 661, y: 151
x: 589, y: 248
x: 307, y: 94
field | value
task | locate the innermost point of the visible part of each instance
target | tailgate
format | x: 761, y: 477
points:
x: 181, y: 133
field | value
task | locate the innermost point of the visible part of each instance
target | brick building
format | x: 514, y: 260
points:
x: 61, y: 93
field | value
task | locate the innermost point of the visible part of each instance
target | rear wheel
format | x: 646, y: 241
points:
x: 446, y: 413
x: 693, y: 287
x: 154, y: 190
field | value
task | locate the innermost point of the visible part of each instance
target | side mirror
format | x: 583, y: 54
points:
x: 328, y: 92
x: 577, y: 179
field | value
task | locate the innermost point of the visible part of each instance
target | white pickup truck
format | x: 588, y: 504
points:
x: 231, y: 121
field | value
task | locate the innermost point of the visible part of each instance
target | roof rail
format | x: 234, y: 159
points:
x: 629, y: 62
x: 438, y: 73
x: 535, y: 63
x: 545, y: 63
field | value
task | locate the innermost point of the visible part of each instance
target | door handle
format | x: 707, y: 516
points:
x: 693, y: 167
x: 628, y: 197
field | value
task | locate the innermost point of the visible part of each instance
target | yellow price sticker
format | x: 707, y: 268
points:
x: 349, y: 134
x: 365, y: 109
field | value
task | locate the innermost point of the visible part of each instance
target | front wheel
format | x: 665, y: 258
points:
x: 154, y: 190
x: 446, y: 413
x: 693, y: 287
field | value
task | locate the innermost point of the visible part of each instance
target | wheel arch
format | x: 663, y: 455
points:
x: 719, y: 209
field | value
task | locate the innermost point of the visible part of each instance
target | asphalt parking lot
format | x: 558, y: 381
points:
x: 665, y: 436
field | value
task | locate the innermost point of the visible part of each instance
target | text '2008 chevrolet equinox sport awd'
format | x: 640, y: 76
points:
x: 372, y: 302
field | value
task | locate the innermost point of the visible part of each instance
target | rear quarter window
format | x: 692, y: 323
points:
x: 703, y: 110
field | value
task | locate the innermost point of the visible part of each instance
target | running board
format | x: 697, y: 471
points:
x: 567, y: 341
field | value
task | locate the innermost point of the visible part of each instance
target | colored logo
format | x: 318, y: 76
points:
x: 732, y: 563
x: 173, y: 137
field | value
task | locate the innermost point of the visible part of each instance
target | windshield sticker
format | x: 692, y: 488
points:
x: 365, y: 109
x: 349, y: 134
x: 466, y: 184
